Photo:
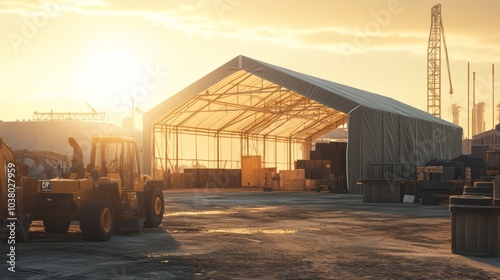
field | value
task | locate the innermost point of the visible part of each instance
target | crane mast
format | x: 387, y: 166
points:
x: 434, y: 63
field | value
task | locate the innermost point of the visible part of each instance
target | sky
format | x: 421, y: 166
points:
x: 70, y: 55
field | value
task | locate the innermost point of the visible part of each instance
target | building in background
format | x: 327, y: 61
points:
x: 53, y: 135
x: 479, y: 125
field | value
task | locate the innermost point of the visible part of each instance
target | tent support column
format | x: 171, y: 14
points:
x: 383, y: 139
x: 196, y: 148
x: 276, y: 151
x: 176, y: 149
x: 241, y: 146
x: 218, y: 149
x: 157, y: 145
x: 153, y: 154
x: 264, y: 151
x: 166, y: 159
x: 290, y: 153
x: 248, y: 144
x: 306, y: 148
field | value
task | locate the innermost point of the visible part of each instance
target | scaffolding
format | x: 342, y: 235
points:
x: 51, y: 116
x: 241, y: 115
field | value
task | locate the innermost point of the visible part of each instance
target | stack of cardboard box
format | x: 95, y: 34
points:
x: 293, y: 180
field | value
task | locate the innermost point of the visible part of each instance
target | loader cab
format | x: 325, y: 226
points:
x: 117, y: 159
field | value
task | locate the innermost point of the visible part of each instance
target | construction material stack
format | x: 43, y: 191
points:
x: 475, y: 220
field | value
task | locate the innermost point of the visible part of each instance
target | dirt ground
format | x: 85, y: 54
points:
x: 250, y: 234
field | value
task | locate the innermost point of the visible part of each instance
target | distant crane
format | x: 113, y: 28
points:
x: 434, y: 63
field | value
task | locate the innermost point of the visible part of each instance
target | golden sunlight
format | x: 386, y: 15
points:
x: 108, y: 72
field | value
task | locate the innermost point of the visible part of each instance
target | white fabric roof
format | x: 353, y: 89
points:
x: 250, y: 96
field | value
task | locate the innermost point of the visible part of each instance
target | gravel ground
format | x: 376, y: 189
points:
x: 250, y: 234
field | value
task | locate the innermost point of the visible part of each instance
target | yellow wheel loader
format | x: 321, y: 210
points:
x: 112, y: 197
x: 14, y: 222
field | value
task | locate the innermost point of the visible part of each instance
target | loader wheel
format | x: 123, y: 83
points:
x: 56, y: 226
x: 97, y: 221
x: 154, y: 206
x: 23, y: 227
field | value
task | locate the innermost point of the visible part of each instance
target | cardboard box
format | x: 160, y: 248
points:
x: 294, y: 184
x: 261, y: 176
x: 248, y: 164
x: 293, y: 174
x: 430, y: 169
x: 433, y: 169
x: 420, y: 173
x: 310, y: 184
x: 182, y: 180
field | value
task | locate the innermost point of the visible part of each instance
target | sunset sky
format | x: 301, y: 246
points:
x: 61, y: 54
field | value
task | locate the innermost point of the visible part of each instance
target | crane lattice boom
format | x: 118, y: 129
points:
x: 434, y: 63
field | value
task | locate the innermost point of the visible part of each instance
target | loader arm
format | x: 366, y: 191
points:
x: 9, y: 184
x: 6, y: 158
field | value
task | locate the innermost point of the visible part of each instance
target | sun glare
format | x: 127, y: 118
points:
x: 110, y: 72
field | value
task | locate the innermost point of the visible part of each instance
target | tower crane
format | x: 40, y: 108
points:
x: 434, y: 63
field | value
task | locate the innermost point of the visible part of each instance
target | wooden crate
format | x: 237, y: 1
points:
x: 475, y: 230
x: 248, y: 164
x: 261, y: 176
x: 293, y: 174
x: 381, y: 191
x: 420, y: 173
x: 269, y: 178
x: 293, y: 184
x: 182, y: 180
x: 433, y: 169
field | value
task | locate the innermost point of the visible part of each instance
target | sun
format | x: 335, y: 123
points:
x: 110, y: 73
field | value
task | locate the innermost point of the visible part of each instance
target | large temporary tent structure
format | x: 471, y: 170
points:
x: 248, y: 98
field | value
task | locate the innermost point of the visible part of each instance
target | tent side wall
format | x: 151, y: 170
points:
x: 364, y: 144
x: 380, y: 129
x: 381, y: 137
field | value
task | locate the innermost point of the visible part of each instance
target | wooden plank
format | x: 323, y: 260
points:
x: 454, y: 232
x: 493, y: 236
x: 476, y: 234
x: 381, y: 191
x: 470, y: 232
x: 460, y: 233
x: 496, y: 240
x: 366, y: 192
x: 310, y: 184
x: 496, y: 188
x: 294, y: 184
x: 481, y: 233
x: 395, y: 191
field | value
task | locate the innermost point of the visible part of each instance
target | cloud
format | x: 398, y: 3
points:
x: 335, y: 26
x: 32, y: 7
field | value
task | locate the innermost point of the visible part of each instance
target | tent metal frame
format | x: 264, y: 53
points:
x: 253, y: 109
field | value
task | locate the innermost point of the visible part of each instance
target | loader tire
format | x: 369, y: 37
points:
x: 97, y: 221
x: 56, y: 225
x: 155, y: 207
x: 23, y: 227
